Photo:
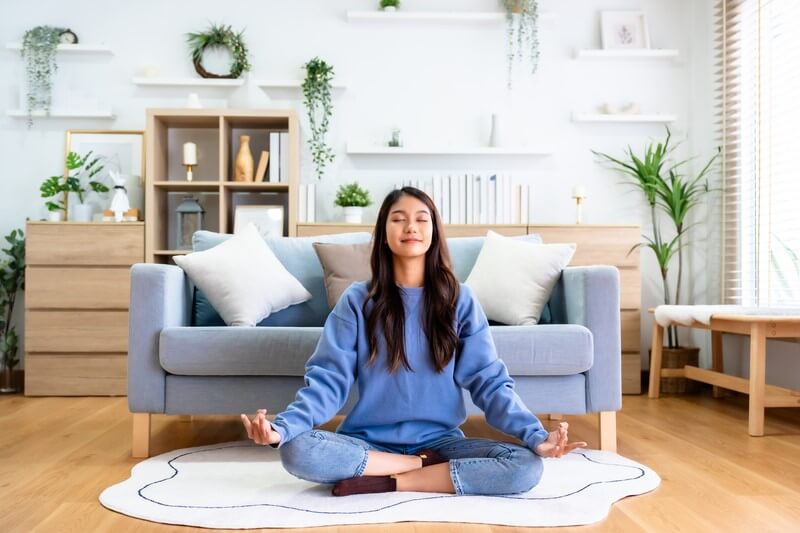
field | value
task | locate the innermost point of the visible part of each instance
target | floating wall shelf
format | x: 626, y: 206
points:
x: 60, y: 113
x: 188, y: 82
x: 603, y: 117
x: 290, y: 84
x: 354, y: 149
x: 72, y: 48
x: 633, y: 54
x: 432, y: 16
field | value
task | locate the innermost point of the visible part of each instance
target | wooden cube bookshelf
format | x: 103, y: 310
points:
x: 216, y: 133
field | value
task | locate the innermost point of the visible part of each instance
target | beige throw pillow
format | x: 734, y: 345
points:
x: 343, y: 264
x: 513, y: 279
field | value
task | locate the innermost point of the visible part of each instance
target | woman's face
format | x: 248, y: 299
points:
x: 409, y: 227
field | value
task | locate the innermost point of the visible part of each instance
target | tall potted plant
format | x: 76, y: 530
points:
x: 12, y: 280
x: 317, y: 99
x: 522, y: 28
x: 674, y: 195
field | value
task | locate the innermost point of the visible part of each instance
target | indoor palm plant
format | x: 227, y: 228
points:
x: 39, y: 46
x: 353, y: 199
x: 670, y: 193
x: 12, y: 280
x: 317, y: 99
x: 81, y: 171
x: 522, y: 28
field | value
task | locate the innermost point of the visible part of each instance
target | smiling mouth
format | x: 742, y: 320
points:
x: 410, y: 240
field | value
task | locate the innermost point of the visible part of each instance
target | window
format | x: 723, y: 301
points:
x: 759, y: 68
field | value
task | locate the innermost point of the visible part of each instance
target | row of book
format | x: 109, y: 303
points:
x: 278, y: 158
x: 307, y: 202
x: 471, y: 198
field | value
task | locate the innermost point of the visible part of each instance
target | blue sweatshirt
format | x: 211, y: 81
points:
x: 406, y: 407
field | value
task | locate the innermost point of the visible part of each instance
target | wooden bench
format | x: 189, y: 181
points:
x: 759, y: 328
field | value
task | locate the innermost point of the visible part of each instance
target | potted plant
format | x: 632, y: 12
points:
x: 317, y: 99
x: 353, y: 199
x: 39, y: 46
x: 522, y: 28
x: 672, y: 194
x: 390, y: 5
x: 12, y: 280
x: 85, y: 169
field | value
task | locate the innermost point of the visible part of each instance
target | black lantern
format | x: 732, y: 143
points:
x: 190, y: 219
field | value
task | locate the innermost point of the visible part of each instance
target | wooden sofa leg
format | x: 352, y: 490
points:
x: 140, y: 443
x: 608, y: 431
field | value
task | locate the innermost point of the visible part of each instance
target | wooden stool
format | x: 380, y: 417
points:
x: 759, y: 328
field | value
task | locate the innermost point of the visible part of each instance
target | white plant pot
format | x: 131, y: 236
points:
x: 352, y: 214
x: 81, y: 212
x: 390, y: 8
x: 55, y: 216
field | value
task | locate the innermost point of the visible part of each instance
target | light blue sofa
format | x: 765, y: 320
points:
x: 571, y: 365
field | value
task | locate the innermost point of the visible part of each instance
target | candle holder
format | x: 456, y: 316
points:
x: 579, y: 195
x: 189, y: 158
x: 189, y: 172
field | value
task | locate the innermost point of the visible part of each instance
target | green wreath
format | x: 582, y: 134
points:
x: 222, y: 36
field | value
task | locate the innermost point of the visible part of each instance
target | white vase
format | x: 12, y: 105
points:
x: 55, y: 216
x: 352, y: 214
x: 498, y: 136
x: 81, y: 212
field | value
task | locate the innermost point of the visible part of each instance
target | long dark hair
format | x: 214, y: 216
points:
x: 440, y: 292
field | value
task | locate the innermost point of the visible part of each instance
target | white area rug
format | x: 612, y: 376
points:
x: 243, y: 485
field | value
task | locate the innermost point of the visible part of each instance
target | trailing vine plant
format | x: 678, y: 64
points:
x: 522, y: 17
x: 317, y: 99
x: 39, y: 53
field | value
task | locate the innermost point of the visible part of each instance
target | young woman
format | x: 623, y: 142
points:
x: 411, y: 338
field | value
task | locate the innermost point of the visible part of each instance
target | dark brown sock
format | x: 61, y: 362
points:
x: 364, y: 485
x: 430, y: 457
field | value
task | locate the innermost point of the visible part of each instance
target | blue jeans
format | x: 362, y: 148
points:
x: 477, y: 466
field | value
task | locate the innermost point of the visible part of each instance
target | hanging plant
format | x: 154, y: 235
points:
x: 222, y: 37
x: 39, y: 53
x: 317, y: 99
x: 522, y: 26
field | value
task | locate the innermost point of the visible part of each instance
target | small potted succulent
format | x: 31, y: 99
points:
x: 353, y: 199
x: 390, y: 5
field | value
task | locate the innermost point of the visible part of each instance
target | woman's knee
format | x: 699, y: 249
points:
x: 297, y: 455
x: 528, y: 468
x: 322, y: 457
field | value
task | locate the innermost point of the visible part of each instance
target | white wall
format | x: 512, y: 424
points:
x: 436, y: 81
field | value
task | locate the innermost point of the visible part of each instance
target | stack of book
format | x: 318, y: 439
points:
x: 471, y: 198
x: 278, y: 157
x: 307, y: 203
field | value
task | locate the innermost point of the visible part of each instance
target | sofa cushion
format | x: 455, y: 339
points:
x: 297, y: 255
x: 513, y: 280
x: 282, y: 351
x: 243, y: 279
x: 464, y: 252
x: 343, y: 264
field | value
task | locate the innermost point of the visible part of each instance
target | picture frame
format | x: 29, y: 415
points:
x: 123, y: 149
x: 624, y: 30
x: 268, y: 219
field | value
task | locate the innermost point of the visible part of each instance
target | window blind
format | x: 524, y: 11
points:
x: 758, y: 60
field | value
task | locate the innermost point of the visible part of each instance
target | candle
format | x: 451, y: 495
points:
x: 189, y: 154
x: 579, y: 191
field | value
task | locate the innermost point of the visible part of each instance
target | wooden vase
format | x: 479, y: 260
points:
x: 243, y: 170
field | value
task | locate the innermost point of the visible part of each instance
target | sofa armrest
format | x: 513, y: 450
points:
x: 591, y: 299
x: 160, y: 298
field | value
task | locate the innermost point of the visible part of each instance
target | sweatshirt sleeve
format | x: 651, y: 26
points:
x: 329, y: 374
x: 485, y: 376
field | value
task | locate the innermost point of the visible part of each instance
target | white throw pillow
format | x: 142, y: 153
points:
x: 513, y: 279
x: 243, y: 279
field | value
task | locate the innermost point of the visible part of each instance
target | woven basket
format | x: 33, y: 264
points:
x: 678, y: 358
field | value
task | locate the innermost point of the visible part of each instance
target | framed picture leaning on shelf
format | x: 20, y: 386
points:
x: 121, y: 151
x: 268, y: 219
x: 624, y: 30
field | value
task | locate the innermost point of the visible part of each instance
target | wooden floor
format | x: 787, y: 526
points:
x: 58, y: 454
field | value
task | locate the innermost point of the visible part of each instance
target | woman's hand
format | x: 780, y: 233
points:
x: 557, y: 444
x: 260, y: 430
